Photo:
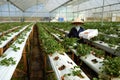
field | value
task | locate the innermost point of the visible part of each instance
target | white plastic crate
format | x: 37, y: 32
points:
x: 89, y: 33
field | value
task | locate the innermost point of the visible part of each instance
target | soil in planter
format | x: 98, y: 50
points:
x: 94, y: 61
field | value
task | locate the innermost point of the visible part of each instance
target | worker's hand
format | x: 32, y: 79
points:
x: 81, y: 37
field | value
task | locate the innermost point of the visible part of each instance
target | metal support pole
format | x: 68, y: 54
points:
x: 66, y: 13
x: 37, y: 12
x: 1, y: 12
x: 78, y: 10
x: 102, y: 13
x: 73, y: 16
x: 22, y: 20
x: 94, y: 16
x: 59, y: 13
x: 9, y: 11
x: 110, y: 16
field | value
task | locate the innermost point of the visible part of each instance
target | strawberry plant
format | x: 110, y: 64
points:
x: 111, y: 67
x: 50, y: 45
x: 7, y: 61
x: 19, y: 41
x: 15, y: 48
x: 0, y: 42
x: 98, y: 53
x: 75, y: 72
x: 69, y: 42
x: 3, y: 38
x: 83, y: 49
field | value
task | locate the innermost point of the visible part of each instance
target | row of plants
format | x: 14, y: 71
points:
x: 20, y: 39
x: 113, y: 42
x: 109, y: 40
x: 110, y: 66
x: 9, y: 25
x: 110, y: 69
x: 82, y: 49
x: 50, y: 46
x: 4, y: 38
x: 8, y: 58
x: 7, y: 61
x: 10, y: 61
x: 107, y: 28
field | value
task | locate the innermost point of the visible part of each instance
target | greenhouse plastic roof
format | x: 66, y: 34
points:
x: 51, y: 5
x: 23, y: 5
x: 97, y: 4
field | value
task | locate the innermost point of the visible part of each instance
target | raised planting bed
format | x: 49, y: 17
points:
x: 65, y: 68
x: 104, y: 46
x: 10, y: 30
x: 93, y: 62
x: 15, y: 52
x: 12, y: 36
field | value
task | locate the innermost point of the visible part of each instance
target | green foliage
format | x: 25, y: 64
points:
x: 98, y: 53
x: 75, y: 72
x: 3, y: 55
x: 117, y: 50
x: 69, y: 43
x: 96, y: 79
x: 15, y: 48
x: 3, y: 38
x: 50, y: 45
x: 0, y: 42
x: 7, y: 61
x: 83, y: 49
x: 8, y: 35
x: 19, y: 41
x: 111, y: 66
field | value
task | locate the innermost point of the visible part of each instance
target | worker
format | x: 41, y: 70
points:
x: 75, y: 31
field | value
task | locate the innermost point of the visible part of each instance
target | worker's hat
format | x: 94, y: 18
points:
x: 78, y: 21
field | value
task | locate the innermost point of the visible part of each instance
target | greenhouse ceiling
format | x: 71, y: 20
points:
x: 23, y: 5
x: 50, y: 5
x: 56, y: 7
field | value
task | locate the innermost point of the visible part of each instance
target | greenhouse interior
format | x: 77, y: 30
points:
x: 59, y: 39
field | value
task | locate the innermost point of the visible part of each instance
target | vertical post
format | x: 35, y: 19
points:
x: 1, y: 12
x: 9, y: 10
x: 94, y: 14
x: 1, y: 51
x: 49, y: 16
x: 66, y: 13
x: 22, y: 18
x: 37, y: 11
x: 59, y: 13
x: 45, y: 62
x: 28, y: 43
x: 110, y: 16
x: 102, y: 13
x: 78, y: 10
x: 73, y: 13
x: 25, y: 60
